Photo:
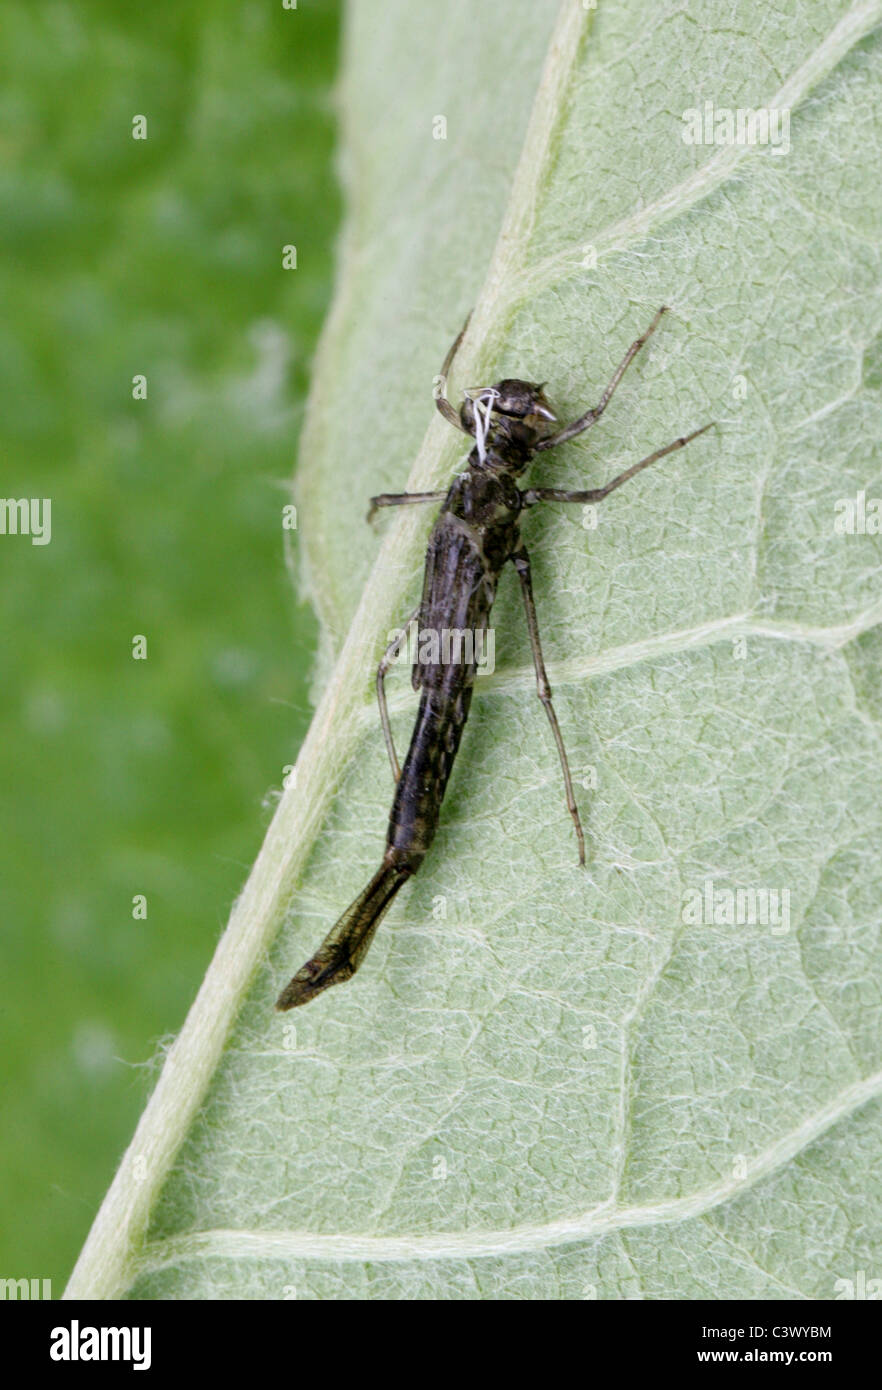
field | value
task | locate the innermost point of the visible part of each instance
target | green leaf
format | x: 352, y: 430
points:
x: 547, y: 1082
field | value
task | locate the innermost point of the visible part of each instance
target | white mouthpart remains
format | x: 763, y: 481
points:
x: 482, y: 399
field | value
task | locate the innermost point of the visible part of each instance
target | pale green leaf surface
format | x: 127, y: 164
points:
x: 543, y: 1083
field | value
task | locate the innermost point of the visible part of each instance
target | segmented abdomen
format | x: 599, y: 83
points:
x: 420, y: 791
x: 459, y: 587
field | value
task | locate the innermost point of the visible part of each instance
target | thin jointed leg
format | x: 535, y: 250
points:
x: 389, y: 656
x: 597, y: 494
x: 585, y: 421
x: 451, y: 415
x: 521, y: 562
x: 402, y: 499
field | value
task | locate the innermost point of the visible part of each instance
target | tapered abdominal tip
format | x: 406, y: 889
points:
x: 300, y: 990
x: 346, y: 944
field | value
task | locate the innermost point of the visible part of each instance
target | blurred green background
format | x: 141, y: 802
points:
x: 121, y: 777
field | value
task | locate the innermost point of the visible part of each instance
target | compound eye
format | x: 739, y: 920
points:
x: 509, y: 404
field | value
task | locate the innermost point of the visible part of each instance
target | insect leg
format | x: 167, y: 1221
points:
x: 402, y: 499
x: 521, y: 562
x: 451, y: 415
x: 585, y: 421
x: 597, y: 494
x: 388, y: 657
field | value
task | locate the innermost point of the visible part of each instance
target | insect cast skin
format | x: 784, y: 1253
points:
x: 476, y: 534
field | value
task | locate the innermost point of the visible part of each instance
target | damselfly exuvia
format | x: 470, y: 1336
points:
x: 477, y: 532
